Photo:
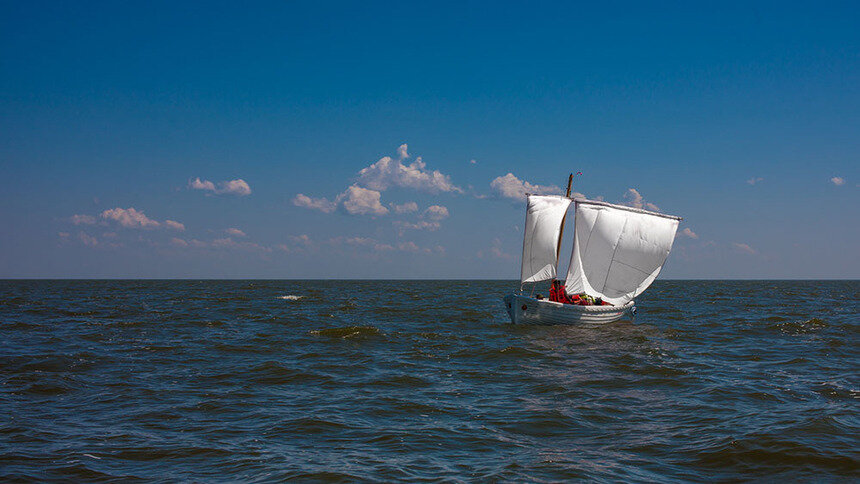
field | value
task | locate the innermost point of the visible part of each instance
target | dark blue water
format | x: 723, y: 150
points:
x: 381, y: 381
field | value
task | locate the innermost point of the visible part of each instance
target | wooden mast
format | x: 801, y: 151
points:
x: 561, y: 232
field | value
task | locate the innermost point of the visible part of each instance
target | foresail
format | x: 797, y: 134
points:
x: 617, y: 251
x: 540, y: 237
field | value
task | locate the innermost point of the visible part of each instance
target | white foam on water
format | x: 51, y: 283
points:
x: 290, y: 297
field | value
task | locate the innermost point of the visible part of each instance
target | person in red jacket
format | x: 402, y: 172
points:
x: 557, y: 293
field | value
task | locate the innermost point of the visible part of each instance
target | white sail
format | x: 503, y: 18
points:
x: 617, y: 251
x: 540, y: 238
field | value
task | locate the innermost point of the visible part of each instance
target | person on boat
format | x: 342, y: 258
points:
x: 558, y: 293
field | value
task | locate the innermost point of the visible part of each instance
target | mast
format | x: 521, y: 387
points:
x: 561, y: 232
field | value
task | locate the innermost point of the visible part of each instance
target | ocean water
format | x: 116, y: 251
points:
x: 424, y: 380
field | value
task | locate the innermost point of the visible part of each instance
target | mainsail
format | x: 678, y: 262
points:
x: 617, y: 251
x: 540, y: 239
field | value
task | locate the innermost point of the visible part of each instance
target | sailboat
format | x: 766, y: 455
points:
x: 618, y: 252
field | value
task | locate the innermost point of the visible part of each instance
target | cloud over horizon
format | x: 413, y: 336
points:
x: 632, y: 198
x: 238, y: 187
x: 509, y: 186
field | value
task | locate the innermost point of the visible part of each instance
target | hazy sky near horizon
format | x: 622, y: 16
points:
x: 395, y: 140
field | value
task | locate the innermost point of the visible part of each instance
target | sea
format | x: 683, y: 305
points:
x: 380, y: 381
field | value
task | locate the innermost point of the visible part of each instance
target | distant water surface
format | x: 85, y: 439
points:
x: 409, y: 380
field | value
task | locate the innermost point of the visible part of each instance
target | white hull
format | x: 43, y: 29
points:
x: 528, y: 310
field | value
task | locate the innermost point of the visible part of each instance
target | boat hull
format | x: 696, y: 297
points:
x: 528, y: 310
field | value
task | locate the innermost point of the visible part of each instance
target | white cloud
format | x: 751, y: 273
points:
x: 364, y: 196
x: 321, y: 204
x: 407, y: 207
x: 436, y: 212
x: 509, y: 186
x: 126, y: 217
x: 402, y: 151
x: 129, y: 218
x: 632, y: 198
x: 743, y: 248
x: 432, y: 218
x: 497, y: 252
x: 388, y: 172
x: 362, y: 201
x: 754, y: 180
x: 298, y: 243
x: 178, y: 242
x: 235, y: 232
x: 235, y: 187
x: 420, y: 225
x: 837, y: 181
x: 377, y: 246
x: 360, y: 241
x: 355, y: 200
x: 688, y: 233
x: 412, y: 247
x: 229, y: 243
x: 88, y: 240
x: 238, y: 187
x: 197, y: 184
x: 82, y: 219
x: 174, y: 225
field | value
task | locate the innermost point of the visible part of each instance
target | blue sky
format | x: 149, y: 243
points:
x: 225, y: 140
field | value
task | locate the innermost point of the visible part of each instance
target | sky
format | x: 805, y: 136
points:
x: 395, y: 140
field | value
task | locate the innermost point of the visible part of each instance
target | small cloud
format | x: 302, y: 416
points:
x: 402, y: 151
x: 63, y: 235
x: 365, y: 242
x: 687, y: 233
x: 355, y: 200
x: 82, y: 219
x: 632, y: 198
x: 436, y: 212
x: 321, y: 204
x: 420, y: 225
x: 238, y: 187
x: 497, y: 252
x: 229, y: 243
x: 88, y: 240
x: 300, y: 240
x: 744, y: 248
x: 174, y: 225
x: 178, y: 242
x: 359, y: 241
x: 198, y: 184
x: 838, y: 181
x: 754, y: 180
x: 408, y: 207
x: 408, y: 247
x: 362, y: 201
x: 509, y: 186
x: 129, y: 218
x: 235, y: 232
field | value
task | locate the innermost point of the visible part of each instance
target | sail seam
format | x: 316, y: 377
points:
x: 612, y: 260
x: 634, y: 268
